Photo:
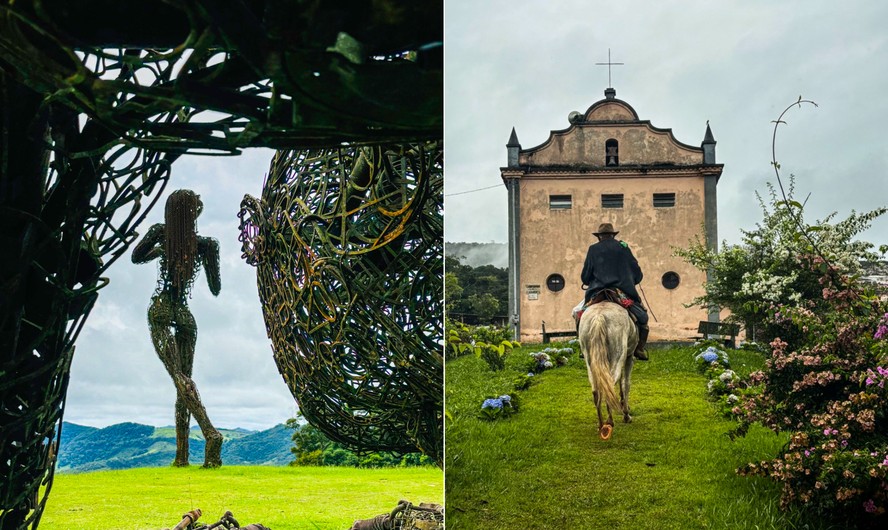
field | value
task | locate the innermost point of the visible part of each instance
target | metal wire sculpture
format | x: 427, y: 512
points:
x: 348, y: 243
x: 173, y: 329
x: 99, y: 97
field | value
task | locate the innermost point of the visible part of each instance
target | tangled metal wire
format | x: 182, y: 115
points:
x: 348, y: 243
x: 69, y: 241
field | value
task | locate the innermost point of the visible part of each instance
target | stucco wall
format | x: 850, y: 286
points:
x: 555, y: 241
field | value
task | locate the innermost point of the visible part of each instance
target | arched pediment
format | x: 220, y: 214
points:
x: 611, y: 110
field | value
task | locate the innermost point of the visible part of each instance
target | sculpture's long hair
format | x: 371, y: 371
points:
x: 180, y: 239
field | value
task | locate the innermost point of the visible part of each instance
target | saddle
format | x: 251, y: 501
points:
x: 610, y: 295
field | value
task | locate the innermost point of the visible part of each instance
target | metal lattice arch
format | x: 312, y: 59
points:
x: 349, y: 254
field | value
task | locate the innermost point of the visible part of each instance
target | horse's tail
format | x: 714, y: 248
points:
x: 597, y: 361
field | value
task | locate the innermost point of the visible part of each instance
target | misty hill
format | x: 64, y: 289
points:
x: 129, y: 445
x: 478, y: 254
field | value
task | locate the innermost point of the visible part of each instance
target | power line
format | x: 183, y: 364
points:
x: 472, y: 191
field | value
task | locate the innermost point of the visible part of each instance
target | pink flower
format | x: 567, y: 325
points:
x: 869, y: 506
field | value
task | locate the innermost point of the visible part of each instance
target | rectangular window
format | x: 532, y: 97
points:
x: 611, y: 200
x: 664, y: 200
x: 560, y: 202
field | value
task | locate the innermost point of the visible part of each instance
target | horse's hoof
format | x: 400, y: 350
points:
x: 627, y: 419
x: 605, y: 431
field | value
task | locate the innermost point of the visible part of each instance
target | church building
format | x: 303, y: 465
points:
x: 608, y: 166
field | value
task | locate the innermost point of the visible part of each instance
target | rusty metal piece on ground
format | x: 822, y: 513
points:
x: 228, y: 522
x: 348, y: 245
x: 188, y: 520
x: 406, y: 516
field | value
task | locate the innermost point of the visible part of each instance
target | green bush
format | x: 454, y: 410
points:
x: 490, y: 343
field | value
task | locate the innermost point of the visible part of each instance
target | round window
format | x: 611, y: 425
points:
x: 671, y: 280
x: 555, y: 282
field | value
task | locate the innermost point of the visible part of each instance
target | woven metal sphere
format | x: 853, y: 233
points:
x: 348, y: 245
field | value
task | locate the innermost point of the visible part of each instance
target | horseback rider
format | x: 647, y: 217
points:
x: 610, y: 265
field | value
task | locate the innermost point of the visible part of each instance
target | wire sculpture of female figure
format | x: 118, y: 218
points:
x: 173, y: 330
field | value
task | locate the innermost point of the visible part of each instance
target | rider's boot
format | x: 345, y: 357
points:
x: 639, y: 353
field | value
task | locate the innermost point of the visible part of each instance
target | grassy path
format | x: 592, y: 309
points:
x: 281, y: 498
x: 545, y: 466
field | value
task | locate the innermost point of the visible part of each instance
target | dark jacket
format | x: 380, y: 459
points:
x: 610, y: 264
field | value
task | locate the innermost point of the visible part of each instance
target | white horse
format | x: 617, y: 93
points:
x: 607, y: 339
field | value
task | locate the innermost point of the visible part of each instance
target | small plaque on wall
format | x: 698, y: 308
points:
x: 533, y: 292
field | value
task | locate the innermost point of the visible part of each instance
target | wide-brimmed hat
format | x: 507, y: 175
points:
x: 605, y: 228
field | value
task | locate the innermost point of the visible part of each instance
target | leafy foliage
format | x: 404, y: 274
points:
x: 311, y: 447
x: 490, y: 343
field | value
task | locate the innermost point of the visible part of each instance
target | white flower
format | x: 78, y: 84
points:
x: 727, y: 376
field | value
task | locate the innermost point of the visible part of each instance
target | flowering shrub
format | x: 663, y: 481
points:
x: 499, y: 407
x: 548, y: 358
x: 793, y: 285
x: 523, y: 382
x: 711, y: 358
x: 829, y: 393
x: 771, y: 268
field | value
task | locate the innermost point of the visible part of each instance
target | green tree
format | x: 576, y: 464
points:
x: 485, y: 305
x: 311, y: 447
x: 474, y: 283
x: 452, y: 290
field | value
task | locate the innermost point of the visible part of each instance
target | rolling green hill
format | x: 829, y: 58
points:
x: 131, y: 445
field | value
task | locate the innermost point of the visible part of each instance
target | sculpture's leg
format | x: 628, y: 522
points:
x: 187, y: 395
x: 161, y: 323
x: 188, y: 391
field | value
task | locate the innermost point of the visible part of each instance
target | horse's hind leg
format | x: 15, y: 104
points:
x: 624, y: 398
x: 597, y: 398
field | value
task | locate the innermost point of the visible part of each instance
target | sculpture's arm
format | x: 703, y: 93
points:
x: 209, y: 256
x: 151, y: 246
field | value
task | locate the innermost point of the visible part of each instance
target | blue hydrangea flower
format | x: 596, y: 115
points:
x: 529, y: 374
x: 709, y: 356
x: 505, y: 398
x: 492, y: 404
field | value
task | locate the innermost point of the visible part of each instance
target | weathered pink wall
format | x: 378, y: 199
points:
x: 555, y: 241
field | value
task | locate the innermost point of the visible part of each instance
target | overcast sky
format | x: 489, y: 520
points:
x: 116, y: 375
x: 735, y: 63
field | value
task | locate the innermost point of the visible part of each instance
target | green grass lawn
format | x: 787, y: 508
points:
x: 281, y: 498
x: 545, y: 467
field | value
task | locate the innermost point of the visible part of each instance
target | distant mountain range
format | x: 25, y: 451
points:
x: 129, y: 445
